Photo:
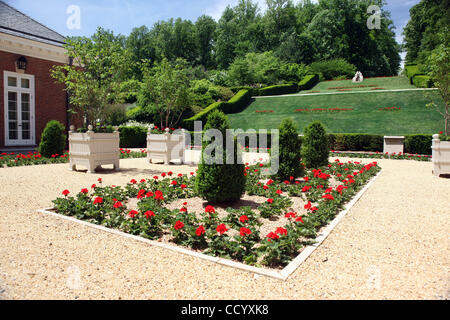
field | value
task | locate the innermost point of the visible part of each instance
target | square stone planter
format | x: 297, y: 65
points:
x: 166, y: 147
x: 393, y: 144
x: 92, y: 150
x: 441, y: 156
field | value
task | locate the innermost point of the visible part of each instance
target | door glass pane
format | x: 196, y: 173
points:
x: 25, y: 83
x: 25, y: 112
x: 12, y: 105
x: 12, y: 130
x: 12, y: 81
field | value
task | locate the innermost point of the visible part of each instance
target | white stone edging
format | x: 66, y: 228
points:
x: 280, y: 275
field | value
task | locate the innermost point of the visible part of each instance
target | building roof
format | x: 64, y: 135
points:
x: 16, y: 23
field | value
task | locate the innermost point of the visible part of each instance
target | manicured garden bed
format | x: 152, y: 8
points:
x: 269, y: 226
x: 13, y: 159
x: 381, y: 155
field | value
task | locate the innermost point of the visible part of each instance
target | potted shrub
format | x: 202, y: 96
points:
x: 93, y: 149
x: 441, y: 155
x: 166, y: 145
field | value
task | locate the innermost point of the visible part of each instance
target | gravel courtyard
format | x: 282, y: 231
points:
x: 393, y: 244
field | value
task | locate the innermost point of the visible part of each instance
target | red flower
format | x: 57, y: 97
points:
x: 163, y: 174
x: 133, y: 213
x: 84, y: 190
x: 180, y: 175
x: 179, y: 225
x: 328, y: 197
x: 200, y: 230
x: 328, y: 190
x: 290, y: 215
x: 170, y: 173
x: 149, y: 214
x: 155, y: 177
x: 133, y: 181
x: 142, y: 181
x: 270, y: 200
x: 174, y: 183
x: 210, y: 209
x: 65, y: 192
x: 244, y: 231
x: 117, y: 205
x: 159, y: 195
x: 141, y: 194
x: 99, y: 180
x: 281, y: 231
x: 183, y: 186
x: 221, y: 228
x: 98, y: 200
x: 183, y: 209
x: 93, y: 186
x: 243, y: 219
x: 269, y: 182
x: 149, y: 194
x: 308, y: 205
x: 306, y: 188
x: 299, y: 219
x: 272, y: 236
x: 306, y: 179
x: 279, y: 192
x: 440, y: 132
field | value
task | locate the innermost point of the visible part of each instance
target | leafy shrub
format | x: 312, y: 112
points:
x: 220, y: 182
x: 333, y: 68
x: 236, y: 104
x: 289, y: 151
x: 356, y: 142
x: 53, y: 139
x: 278, y: 89
x: 145, y: 114
x: 116, y: 115
x: 133, y: 137
x: 308, y: 82
x: 418, y: 143
x: 315, y: 148
x: 422, y: 81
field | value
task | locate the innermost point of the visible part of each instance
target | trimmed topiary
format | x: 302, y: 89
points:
x: 289, y: 151
x: 53, y: 139
x: 315, y: 148
x: 219, y: 182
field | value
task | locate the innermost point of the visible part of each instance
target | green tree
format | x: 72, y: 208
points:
x: 205, y: 27
x: 315, y: 147
x: 217, y: 182
x: 439, y: 64
x: 93, y: 81
x: 165, y: 88
x: 289, y: 151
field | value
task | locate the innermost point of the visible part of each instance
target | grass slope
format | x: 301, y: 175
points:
x: 365, y: 117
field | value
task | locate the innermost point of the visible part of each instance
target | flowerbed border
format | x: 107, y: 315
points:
x: 280, y: 275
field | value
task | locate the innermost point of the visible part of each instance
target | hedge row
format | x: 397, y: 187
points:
x: 416, y: 77
x: 133, y: 137
x: 278, y: 89
x: 308, y: 82
x: 236, y: 104
x: 136, y: 137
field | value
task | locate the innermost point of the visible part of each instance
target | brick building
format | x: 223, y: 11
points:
x: 29, y: 95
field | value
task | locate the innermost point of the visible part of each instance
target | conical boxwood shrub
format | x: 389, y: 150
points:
x: 289, y: 151
x: 53, y: 139
x: 315, y: 148
x: 220, y: 182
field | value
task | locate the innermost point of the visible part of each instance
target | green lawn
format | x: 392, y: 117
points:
x: 388, y: 83
x: 365, y: 117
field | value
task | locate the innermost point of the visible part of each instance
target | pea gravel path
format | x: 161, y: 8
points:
x: 393, y: 244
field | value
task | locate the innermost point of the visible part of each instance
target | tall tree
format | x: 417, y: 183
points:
x: 205, y: 28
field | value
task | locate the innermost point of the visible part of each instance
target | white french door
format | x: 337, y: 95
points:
x: 19, y: 109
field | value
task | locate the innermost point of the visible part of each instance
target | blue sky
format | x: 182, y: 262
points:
x: 122, y: 16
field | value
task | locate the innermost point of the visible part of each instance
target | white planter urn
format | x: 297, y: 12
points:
x: 166, y: 147
x: 440, y: 156
x: 92, y: 150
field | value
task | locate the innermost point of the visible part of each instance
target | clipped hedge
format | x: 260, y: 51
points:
x: 422, y: 81
x: 418, y: 143
x: 278, y: 89
x: 356, y: 142
x: 133, y: 137
x: 411, y: 70
x: 308, y: 82
x: 236, y: 104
